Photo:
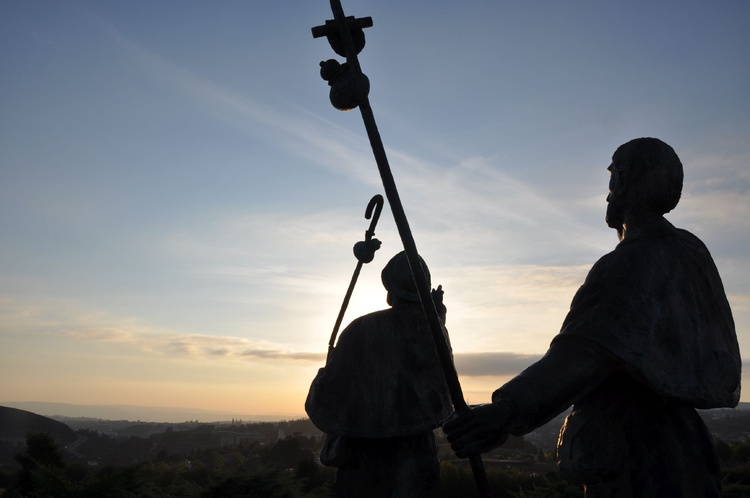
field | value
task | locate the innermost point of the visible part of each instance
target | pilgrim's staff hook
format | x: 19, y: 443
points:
x: 364, y: 251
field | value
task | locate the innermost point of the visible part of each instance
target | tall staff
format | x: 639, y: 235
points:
x: 364, y: 251
x: 349, y: 89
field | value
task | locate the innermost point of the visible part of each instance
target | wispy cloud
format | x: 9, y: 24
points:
x: 308, y: 135
x: 472, y: 204
x: 64, y: 323
x: 232, y: 348
x: 470, y: 209
x: 284, y: 355
x: 177, y: 345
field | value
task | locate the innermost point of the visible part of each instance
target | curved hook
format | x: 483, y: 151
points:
x: 376, y: 203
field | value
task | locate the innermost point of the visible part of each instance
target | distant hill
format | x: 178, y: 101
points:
x: 142, y: 413
x: 15, y: 423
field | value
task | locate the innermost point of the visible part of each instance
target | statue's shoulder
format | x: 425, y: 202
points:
x: 369, y: 319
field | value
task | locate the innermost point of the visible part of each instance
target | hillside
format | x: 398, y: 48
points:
x: 15, y: 423
x: 142, y: 413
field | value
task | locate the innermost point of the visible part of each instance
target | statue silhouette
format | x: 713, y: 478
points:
x: 648, y: 339
x: 381, y: 394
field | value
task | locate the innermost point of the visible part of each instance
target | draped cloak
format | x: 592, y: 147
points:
x: 648, y: 339
x: 658, y: 304
x: 383, y: 379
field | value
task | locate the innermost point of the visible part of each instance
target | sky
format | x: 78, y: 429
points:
x: 179, y: 199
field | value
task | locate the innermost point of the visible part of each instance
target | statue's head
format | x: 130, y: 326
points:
x: 398, y: 280
x: 646, y: 180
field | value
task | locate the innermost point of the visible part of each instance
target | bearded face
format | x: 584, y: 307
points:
x: 645, y: 181
x: 615, y: 201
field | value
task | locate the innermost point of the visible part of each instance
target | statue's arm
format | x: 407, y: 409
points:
x: 569, y: 371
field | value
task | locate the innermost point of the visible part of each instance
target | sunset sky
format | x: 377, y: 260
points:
x: 179, y: 200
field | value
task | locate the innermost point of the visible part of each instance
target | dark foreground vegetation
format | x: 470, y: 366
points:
x: 285, y: 469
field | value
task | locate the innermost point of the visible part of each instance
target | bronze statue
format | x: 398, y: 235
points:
x: 349, y: 89
x: 649, y: 338
x: 381, y: 395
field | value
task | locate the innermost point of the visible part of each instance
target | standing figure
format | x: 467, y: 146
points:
x: 648, y: 339
x: 381, y: 395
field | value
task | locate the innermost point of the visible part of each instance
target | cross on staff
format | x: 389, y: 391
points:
x: 350, y: 89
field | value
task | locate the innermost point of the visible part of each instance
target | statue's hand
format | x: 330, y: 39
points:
x: 437, y: 298
x: 478, y: 430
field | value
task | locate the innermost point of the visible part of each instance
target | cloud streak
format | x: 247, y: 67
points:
x: 233, y: 348
x: 177, y: 345
x: 338, y: 148
x: 131, y: 339
x: 493, y: 364
x: 471, y: 202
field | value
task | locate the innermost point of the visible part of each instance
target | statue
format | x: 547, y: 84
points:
x: 381, y: 395
x: 649, y: 338
x: 349, y: 89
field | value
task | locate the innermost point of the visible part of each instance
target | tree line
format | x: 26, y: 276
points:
x: 286, y: 469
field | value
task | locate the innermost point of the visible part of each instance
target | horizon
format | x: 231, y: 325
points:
x: 180, y: 200
x: 147, y: 414
x: 150, y: 413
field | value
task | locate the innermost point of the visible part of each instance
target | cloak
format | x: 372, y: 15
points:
x: 383, y: 379
x: 657, y: 304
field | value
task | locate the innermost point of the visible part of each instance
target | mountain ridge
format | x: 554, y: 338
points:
x: 139, y: 413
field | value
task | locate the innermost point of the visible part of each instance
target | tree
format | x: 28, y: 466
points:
x: 286, y: 454
x: 42, y: 449
x: 42, y: 466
